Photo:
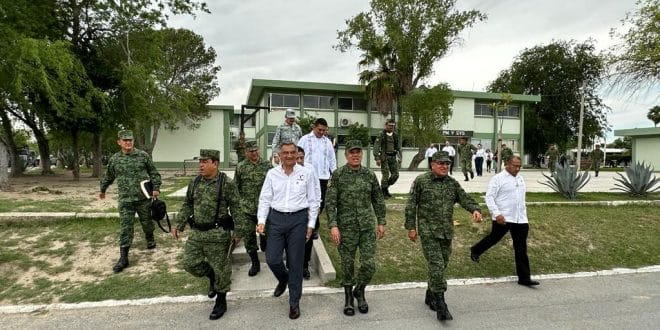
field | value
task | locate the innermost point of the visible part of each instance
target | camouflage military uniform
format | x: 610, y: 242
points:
x: 239, y: 146
x: 430, y: 211
x: 507, y: 153
x: 465, y: 158
x: 129, y: 170
x: 552, y: 158
x: 349, y: 209
x: 285, y: 132
x: 386, y: 149
x: 596, y: 160
x: 249, y: 179
x: 208, y: 250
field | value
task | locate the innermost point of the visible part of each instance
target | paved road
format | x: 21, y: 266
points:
x: 629, y: 301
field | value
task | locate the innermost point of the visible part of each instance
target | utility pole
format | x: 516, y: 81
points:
x: 579, y: 145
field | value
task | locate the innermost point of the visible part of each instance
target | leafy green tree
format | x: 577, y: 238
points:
x: 557, y: 71
x: 498, y: 108
x: 306, y: 122
x: 425, y: 110
x: 654, y: 115
x: 635, y: 60
x: 619, y: 143
x: 357, y: 131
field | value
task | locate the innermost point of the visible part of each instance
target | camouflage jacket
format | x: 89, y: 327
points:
x: 129, y: 170
x: 350, y: 198
x: 203, y: 202
x: 465, y: 151
x: 379, y: 145
x: 430, y: 208
x: 239, y: 146
x: 506, y: 154
x: 597, y: 155
x: 285, y: 132
x: 552, y: 154
x: 249, y: 178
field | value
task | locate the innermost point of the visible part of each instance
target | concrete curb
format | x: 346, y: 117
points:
x: 251, y: 294
x: 321, y: 259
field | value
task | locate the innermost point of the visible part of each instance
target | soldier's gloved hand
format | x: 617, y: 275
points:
x: 412, y: 235
x: 335, y: 235
x: 380, y: 231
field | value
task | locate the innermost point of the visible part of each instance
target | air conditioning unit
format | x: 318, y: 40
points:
x: 344, y: 122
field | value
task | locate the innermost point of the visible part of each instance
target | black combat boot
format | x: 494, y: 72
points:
x: 151, y: 241
x: 386, y: 194
x: 471, y: 174
x: 466, y: 177
x: 443, y: 312
x: 430, y: 300
x: 256, y: 266
x: 220, y: 306
x: 349, y: 309
x: 123, y: 260
x: 212, y: 289
x: 358, y: 293
x: 596, y: 173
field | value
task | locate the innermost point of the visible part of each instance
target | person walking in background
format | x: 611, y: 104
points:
x: 387, y: 153
x: 131, y: 166
x: 429, y: 153
x: 289, y: 131
x: 596, y: 159
x: 239, y: 146
x: 505, y: 198
x: 489, y: 160
x: 429, y: 214
x: 452, y: 155
x: 465, y: 152
x: 320, y: 155
x: 210, y: 199
x: 353, y: 192
x: 553, y: 156
x: 249, y: 177
x: 288, y: 209
x: 479, y: 159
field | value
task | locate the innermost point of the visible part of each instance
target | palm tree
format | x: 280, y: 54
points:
x: 654, y: 115
x: 381, y: 81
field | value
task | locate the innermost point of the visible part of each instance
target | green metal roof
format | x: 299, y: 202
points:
x: 646, y: 131
x: 260, y: 85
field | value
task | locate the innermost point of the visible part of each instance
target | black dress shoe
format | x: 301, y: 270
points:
x: 306, y: 274
x: 529, y: 283
x: 294, y: 312
x: 279, y: 289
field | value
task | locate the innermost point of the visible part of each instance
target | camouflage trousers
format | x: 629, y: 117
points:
x: 206, y: 250
x: 436, y: 252
x: 250, y: 239
x: 595, y: 165
x: 552, y: 164
x: 351, y: 240
x: 466, y: 165
x: 127, y: 212
x: 389, y: 168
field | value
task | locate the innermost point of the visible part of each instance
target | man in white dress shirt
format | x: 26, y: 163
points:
x: 288, y: 206
x: 319, y: 154
x: 452, y: 155
x: 505, y: 198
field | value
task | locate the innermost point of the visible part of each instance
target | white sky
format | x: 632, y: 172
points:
x: 293, y: 39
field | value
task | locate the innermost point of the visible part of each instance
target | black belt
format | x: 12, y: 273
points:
x: 289, y: 213
x: 391, y: 153
x: 206, y: 226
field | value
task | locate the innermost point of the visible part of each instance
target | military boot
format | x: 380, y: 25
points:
x: 151, y: 241
x: 256, y: 266
x: 471, y: 174
x: 386, y: 194
x: 443, y: 312
x: 358, y: 293
x: 349, y: 309
x: 123, y: 260
x: 220, y: 306
x: 212, y: 289
x: 466, y: 177
x: 596, y: 173
x: 430, y: 300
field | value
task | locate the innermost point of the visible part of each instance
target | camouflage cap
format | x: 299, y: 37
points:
x: 251, y: 145
x: 354, y: 144
x: 441, y: 156
x: 209, y: 153
x: 126, y: 134
x: 290, y: 113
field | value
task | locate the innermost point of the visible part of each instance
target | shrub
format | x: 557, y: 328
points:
x: 566, y: 181
x: 638, y: 181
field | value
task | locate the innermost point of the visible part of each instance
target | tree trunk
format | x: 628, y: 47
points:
x: 417, y: 159
x: 97, y: 150
x: 8, y: 139
x: 4, y: 162
x: 76, y: 155
x: 149, y: 147
x: 44, y: 151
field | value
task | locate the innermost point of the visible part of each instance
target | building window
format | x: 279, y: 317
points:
x: 317, y: 102
x: 482, y: 110
x: 284, y: 101
x: 351, y: 103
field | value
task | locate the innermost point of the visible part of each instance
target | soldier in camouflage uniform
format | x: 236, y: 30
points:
x: 352, y: 192
x: 553, y: 155
x: 239, y: 146
x: 465, y: 155
x: 430, y: 212
x: 207, y: 251
x: 289, y: 131
x: 596, y: 159
x: 250, y: 176
x: 130, y: 166
x: 387, y: 153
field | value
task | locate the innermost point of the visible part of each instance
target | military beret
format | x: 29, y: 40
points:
x: 209, y: 153
x: 441, y: 156
x: 354, y: 144
x: 125, y: 134
x: 251, y: 145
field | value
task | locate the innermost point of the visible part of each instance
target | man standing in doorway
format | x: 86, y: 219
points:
x: 320, y: 154
x: 387, y: 153
x: 130, y: 167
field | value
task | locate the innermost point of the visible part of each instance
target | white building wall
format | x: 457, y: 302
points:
x: 181, y: 144
x: 645, y: 149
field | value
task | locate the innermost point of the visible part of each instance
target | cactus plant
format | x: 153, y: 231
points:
x: 566, y: 181
x: 638, y: 181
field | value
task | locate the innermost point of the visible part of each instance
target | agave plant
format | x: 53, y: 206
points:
x: 566, y: 181
x: 639, y: 181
